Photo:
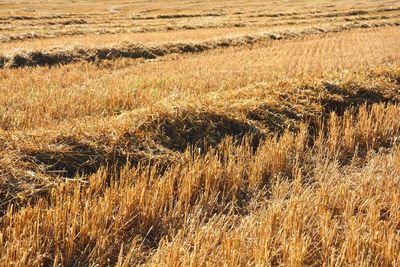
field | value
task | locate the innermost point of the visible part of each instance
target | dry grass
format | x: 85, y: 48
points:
x: 265, y: 149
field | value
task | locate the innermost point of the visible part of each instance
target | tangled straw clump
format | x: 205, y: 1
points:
x: 142, y: 210
x: 159, y: 137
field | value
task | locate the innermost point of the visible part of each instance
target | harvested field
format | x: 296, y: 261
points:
x: 214, y: 133
x: 132, y: 50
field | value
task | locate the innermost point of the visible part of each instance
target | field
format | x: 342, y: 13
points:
x: 203, y: 133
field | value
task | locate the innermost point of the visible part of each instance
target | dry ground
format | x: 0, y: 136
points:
x: 214, y: 133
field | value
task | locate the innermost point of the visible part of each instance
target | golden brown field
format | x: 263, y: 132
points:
x: 199, y: 133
